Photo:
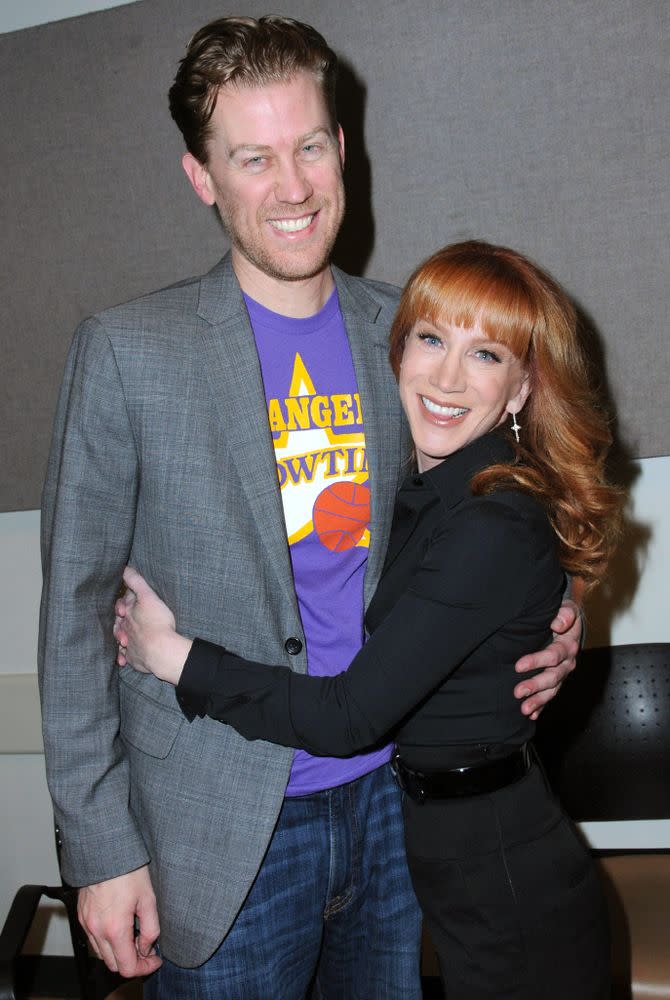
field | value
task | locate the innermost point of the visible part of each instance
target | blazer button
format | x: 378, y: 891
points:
x: 293, y: 646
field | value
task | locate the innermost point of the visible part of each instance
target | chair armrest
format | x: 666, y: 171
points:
x: 14, y: 933
x: 15, y: 930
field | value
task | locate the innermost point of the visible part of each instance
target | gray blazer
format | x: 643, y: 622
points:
x: 162, y: 457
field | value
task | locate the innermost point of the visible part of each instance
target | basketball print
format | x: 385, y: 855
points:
x: 340, y: 515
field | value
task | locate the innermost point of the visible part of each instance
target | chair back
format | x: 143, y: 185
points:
x: 605, y: 740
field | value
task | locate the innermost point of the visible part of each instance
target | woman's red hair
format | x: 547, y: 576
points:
x: 565, y: 436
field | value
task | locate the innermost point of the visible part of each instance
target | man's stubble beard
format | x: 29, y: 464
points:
x: 260, y: 257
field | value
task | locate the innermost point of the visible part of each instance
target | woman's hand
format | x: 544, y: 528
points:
x: 144, y: 628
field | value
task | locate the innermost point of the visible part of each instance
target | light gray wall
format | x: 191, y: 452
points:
x: 14, y: 16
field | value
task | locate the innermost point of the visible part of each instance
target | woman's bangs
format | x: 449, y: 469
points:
x: 463, y: 297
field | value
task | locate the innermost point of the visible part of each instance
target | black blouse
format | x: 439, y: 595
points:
x: 470, y: 584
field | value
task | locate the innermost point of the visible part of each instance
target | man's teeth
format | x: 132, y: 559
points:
x: 443, y: 411
x: 291, y: 225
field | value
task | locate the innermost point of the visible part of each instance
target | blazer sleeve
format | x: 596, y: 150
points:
x: 88, y: 513
x: 472, y: 581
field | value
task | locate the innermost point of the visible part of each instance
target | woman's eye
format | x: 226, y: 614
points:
x: 485, y: 355
x: 431, y: 339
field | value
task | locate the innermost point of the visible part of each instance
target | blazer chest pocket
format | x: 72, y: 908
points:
x: 147, y: 725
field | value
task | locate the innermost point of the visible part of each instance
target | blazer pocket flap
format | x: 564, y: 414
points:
x: 147, y: 725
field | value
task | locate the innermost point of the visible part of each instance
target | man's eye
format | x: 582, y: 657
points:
x: 253, y: 162
x: 312, y: 149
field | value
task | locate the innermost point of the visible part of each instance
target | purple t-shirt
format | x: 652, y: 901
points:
x: 316, y: 422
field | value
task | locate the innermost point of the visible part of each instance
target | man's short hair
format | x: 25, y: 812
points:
x: 245, y: 52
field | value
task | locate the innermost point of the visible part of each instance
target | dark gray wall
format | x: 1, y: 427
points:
x: 538, y: 123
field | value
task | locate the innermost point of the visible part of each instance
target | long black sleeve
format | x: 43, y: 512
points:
x: 479, y: 573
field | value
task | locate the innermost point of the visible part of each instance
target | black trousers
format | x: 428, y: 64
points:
x: 511, y: 897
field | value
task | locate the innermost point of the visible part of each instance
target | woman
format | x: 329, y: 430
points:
x: 482, y: 534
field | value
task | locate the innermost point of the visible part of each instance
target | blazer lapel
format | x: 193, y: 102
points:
x: 381, y: 413
x: 234, y: 374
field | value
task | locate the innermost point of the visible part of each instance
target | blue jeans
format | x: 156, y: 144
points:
x: 332, y: 909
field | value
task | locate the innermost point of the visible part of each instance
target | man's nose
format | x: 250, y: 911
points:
x: 293, y: 186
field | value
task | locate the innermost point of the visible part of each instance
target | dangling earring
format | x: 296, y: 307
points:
x: 515, y: 427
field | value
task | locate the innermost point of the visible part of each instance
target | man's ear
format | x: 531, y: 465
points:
x: 200, y: 179
x: 340, y: 143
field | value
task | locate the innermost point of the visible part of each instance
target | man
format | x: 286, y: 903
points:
x: 199, y: 429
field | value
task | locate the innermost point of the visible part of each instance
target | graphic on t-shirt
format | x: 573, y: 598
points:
x: 341, y: 515
x: 321, y: 463
x: 316, y: 422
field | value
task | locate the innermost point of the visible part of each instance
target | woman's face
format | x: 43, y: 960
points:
x: 455, y: 385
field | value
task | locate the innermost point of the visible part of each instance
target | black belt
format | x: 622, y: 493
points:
x: 459, y: 782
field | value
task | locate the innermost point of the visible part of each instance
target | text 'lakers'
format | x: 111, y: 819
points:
x: 303, y: 413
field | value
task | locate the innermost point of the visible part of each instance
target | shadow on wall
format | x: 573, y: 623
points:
x: 617, y: 590
x: 357, y: 236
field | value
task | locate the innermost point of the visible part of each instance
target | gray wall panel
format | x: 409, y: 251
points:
x: 541, y: 124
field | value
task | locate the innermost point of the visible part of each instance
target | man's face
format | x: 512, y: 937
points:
x: 274, y: 171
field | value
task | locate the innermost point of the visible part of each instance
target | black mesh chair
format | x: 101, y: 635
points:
x: 605, y: 744
x: 82, y: 976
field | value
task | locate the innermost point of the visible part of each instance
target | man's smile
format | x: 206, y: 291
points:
x: 292, y: 225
